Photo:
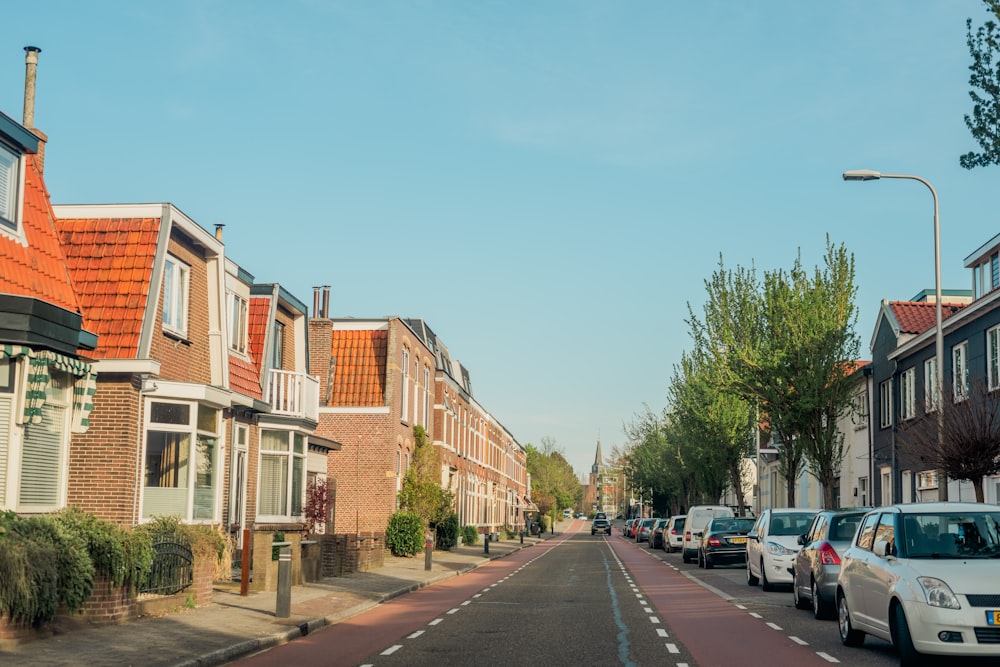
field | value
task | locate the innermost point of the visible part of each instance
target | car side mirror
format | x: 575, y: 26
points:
x: 884, y: 548
x: 803, y: 540
x: 752, y: 535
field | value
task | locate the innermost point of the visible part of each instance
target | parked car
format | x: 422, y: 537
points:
x: 816, y: 566
x: 724, y: 542
x: 627, y: 528
x: 656, y: 536
x: 772, y: 544
x: 643, y: 529
x: 674, y: 533
x: 697, y: 518
x: 600, y: 526
x: 925, y: 577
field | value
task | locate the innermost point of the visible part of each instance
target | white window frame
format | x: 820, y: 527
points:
x: 960, y: 371
x: 404, y: 386
x: 993, y: 358
x: 296, y: 452
x: 237, y: 315
x: 196, y: 435
x: 885, y: 403
x: 238, y: 486
x: 886, y: 476
x: 907, y: 394
x: 427, y: 393
x: 931, y: 397
x: 176, y: 286
x: 11, y: 187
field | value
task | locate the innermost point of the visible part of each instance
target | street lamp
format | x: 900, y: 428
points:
x: 869, y: 175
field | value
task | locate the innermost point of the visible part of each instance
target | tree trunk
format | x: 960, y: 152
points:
x: 977, y: 484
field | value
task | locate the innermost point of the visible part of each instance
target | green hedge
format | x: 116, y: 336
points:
x: 470, y: 535
x: 447, y: 532
x: 51, y: 560
x: 405, y: 534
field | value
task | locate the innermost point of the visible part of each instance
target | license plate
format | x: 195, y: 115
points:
x: 738, y: 540
x: 992, y: 617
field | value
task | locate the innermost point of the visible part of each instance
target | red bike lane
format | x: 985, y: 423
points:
x: 713, y: 630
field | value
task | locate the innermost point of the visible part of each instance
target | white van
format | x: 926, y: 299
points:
x: 694, y: 525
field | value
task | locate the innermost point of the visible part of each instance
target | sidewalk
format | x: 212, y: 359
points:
x: 233, y: 626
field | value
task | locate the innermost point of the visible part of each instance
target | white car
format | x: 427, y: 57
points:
x: 925, y: 576
x: 772, y: 544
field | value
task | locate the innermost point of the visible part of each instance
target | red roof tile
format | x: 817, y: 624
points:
x: 37, y: 269
x: 113, y: 301
x: 260, y: 309
x: 244, y: 377
x: 916, y: 317
x: 360, y: 367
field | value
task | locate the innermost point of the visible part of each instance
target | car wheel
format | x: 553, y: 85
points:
x: 908, y: 656
x: 797, y: 600
x: 848, y: 635
x: 685, y: 557
x: 751, y: 580
x: 820, y: 609
x: 765, y: 584
x: 708, y: 563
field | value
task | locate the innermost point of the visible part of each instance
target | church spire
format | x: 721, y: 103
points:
x: 598, y: 459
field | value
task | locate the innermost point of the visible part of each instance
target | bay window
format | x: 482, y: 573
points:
x: 181, y: 461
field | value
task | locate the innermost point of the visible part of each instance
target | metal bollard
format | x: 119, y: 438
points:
x: 428, y: 551
x: 283, y: 608
x: 486, y: 543
x: 522, y: 537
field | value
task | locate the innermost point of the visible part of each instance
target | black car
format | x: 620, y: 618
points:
x: 600, y: 526
x: 724, y: 541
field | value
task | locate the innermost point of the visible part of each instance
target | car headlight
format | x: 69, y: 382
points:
x: 938, y: 593
x: 776, y: 549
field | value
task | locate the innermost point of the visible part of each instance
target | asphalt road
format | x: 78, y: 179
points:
x: 579, y: 599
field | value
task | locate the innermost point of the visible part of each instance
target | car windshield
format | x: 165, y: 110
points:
x: 790, y: 524
x: 951, y: 535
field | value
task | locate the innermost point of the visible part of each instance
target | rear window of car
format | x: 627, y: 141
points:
x: 842, y: 528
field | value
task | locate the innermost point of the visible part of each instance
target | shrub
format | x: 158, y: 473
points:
x: 119, y: 555
x: 470, y: 535
x: 447, y: 532
x: 405, y: 534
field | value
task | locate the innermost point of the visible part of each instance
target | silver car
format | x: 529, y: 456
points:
x: 816, y: 566
x: 925, y: 576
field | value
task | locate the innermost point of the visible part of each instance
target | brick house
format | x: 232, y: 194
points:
x: 378, y: 379
x: 46, y: 387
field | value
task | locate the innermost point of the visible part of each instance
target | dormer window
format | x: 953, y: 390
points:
x: 986, y: 275
x: 9, y: 186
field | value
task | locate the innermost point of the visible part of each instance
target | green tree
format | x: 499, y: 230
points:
x: 787, y: 345
x: 422, y: 493
x: 719, y: 422
x: 554, y: 485
x: 984, y: 123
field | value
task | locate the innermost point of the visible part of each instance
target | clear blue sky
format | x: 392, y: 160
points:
x: 547, y: 184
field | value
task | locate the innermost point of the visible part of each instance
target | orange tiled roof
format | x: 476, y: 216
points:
x: 111, y: 263
x: 244, y: 377
x: 39, y: 268
x: 916, y: 317
x: 259, y: 310
x: 359, y: 373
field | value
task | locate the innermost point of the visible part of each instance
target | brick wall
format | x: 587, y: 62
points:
x: 103, y: 461
x: 189, y: 360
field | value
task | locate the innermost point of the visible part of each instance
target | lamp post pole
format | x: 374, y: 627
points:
x: 868, y: 175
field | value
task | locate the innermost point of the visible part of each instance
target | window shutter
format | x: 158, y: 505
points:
x: 41, y: 462
x: 6, y: 405
x: 273, y: 484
